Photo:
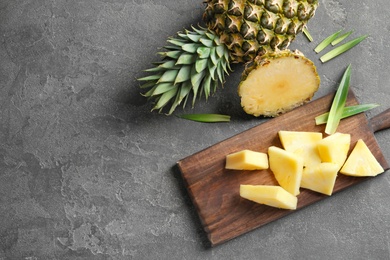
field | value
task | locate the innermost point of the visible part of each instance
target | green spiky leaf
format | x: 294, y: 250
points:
x: 342, y: 48
x: 322, y: 45
x: 194, y: 64
x: 341, y: 38
x: 347, y: 112
x: 206, y: 118
x: 307, y: 34
x: 338, y: 103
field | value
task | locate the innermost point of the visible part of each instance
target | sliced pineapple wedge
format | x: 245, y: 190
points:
x: 278, y: 82
x: 361, y: 162
x: 287, y: 168
x: 247, y: 160
x: 303, y: 144
x: 274, y: 196
x: 320, y: 178
x: 334, y: 148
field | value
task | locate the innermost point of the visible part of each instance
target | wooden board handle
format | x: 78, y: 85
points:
x: 380, y: 121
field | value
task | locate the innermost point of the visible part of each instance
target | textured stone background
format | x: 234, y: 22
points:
x: 87, y: 172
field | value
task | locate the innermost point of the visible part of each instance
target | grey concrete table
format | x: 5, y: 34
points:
x: 88, y: 172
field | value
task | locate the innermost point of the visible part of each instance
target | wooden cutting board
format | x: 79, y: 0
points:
x: 214, y: 190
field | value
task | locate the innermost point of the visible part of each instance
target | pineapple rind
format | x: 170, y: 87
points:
x: 250, y: 27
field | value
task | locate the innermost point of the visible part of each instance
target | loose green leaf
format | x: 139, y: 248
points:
x: 338, y: 103
x: 342, y: 48
x: 347, y: 112
x: 307, y: 34
x: 341, y: 38
x: 206, y: 118
x: 322, y: 45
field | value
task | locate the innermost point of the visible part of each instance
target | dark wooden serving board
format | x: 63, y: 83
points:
x: 214, y: 190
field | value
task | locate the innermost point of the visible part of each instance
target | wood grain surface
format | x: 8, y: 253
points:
x: 214, y: 190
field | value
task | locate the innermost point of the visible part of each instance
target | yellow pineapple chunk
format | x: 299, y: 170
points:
x: 278, y: 82
x: 247, y: 160
x: 274, y: 196
x: 303, y: 144
x: 320, y: 178
x: 361, y: 162
x: 334, y: 148
x: 287, y: 168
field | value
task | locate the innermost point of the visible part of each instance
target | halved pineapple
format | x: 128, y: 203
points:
x: 287, y: 168
x: 334, y: 148
x: 361, y: 162
x: 247, y: 160
x: 278, y: 82
x: 274, y: 196
x: 303, y: 144
x: 320, y: 178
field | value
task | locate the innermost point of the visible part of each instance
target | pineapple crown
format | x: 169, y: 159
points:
x: 194, y: 62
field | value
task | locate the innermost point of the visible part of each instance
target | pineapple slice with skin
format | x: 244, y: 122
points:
x: 303, y: 144
x: 247, y: 160
x: 320, y: 178
x: 361, y: 162
x: 334, y: 148
x: 277, y: 83
x: 274, y: 196
x: 287, y: 168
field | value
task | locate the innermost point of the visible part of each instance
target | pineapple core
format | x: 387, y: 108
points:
x: 361, y: 162
x: 274, y: 196
x: 247, y: 160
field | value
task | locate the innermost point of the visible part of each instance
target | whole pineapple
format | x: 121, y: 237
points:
x: 238, y: 31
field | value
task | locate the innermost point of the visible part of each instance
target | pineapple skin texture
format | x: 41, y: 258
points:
x: 361, y: 162
x: 277, y: 83
x: 274, y: 196
x: 247, y: 160
x: 250, y: 28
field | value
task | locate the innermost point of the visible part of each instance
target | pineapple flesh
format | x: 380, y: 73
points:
x: 334, y: 148
x: 361, y: 162
x: 274, y: 196
x: 277, y: 83
x: 303, y: 144
x: 247, y: 160
x: 320, y: 178
x: 287, y: 168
